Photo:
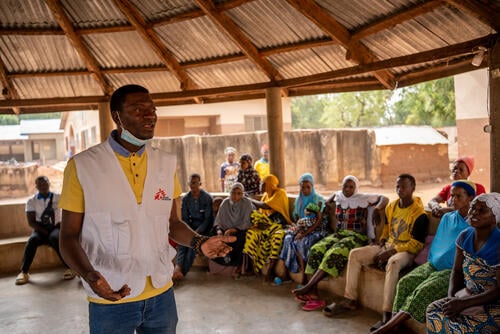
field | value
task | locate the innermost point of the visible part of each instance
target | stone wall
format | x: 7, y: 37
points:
x: 328, y: 154
x: 17, y: 181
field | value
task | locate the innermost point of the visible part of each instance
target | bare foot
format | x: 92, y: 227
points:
x: 301, y: 291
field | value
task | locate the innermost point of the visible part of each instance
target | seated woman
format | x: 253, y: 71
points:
x: 329, y: 255
x: 311, y: 226
x: 473, y: 302
x: 233, y: 218
x: 248, y: 176
x: 429, y: 282
x: 265, y: 238
x: 460, y: 170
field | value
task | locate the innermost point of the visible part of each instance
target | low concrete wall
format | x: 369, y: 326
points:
x: 13, y: 222
x: 17, y: 181
x: 327, y: 154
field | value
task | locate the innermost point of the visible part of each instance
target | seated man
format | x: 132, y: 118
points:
x: 44, y: 217
x: 402, y: 238
x: 196, y: 211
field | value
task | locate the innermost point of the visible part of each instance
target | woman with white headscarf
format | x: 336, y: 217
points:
x: 329, y: 255
x: 233, y: 218
x: 473, y: 302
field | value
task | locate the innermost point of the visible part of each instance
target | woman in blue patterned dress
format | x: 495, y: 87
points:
x: 473, y: 302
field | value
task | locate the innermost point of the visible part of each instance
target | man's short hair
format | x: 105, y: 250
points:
x: 408, y: 177
x: 194, y: 175
x: 119, y: 95
x: 41, y: 178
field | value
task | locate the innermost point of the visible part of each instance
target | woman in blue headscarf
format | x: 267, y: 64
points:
x: 310, y: 227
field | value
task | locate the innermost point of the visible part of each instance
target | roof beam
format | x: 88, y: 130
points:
x: 62, y: 19
x: 147, y: 33
x: 488, y: 16
x: 9, y: 91
x: 396, y: 18
x: 356, y: 52
x: 239, y: 38
x: 440, y: 56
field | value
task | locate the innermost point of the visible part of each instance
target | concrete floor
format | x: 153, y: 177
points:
x: 206, y: 304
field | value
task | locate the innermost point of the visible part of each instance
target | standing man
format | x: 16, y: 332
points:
x: 119, y: 203
x: 196, y: 211
x: 402, y: 238
x: 262, y: 165
x: 44, y: 217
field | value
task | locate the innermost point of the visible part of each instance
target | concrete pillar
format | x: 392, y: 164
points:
x: 275, y: 134
x: 494, y: 98
x: 106, y: 123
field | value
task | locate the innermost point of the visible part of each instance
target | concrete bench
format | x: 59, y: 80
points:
x: 11, y: 253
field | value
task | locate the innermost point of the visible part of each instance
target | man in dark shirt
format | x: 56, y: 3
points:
x: 197, y: 213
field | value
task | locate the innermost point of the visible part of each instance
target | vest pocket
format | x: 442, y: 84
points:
x: 121, y: 236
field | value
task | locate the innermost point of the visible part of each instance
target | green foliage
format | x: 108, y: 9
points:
x: 16, y: 119
x: 430, y: 103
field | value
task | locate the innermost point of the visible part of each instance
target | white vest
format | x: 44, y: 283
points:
x: 123, y: 240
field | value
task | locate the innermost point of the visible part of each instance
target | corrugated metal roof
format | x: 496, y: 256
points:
x: 405, y: 134
x: 34, y: 126
x: 185, y: 49
x: 11, y: 132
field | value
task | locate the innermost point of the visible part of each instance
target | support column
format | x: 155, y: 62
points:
x: 106, y: 123
x: 494, y: 98
x: 275, y: 134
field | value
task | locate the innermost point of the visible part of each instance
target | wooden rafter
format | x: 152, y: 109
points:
x: 331, y: 81
x: 474, y: 8
x: 90, y: 62
x: 9, y: 91
x: 357, y: 52
x: 239, y: 38
x: 138, y: 22
x: 396, y: 18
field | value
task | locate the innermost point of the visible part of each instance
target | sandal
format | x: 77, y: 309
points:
x: 313, y: 305
x: 68, y: 274
x: 303, y: 298
x: 377, y: 325
x: 337, y: 308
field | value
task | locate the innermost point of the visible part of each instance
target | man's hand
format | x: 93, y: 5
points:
x: 231, y: 231
x: 383, y: 257
x: 217, y: 246
x: 101, y: 287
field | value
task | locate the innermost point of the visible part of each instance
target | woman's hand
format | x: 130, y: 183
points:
x: 453, y: 307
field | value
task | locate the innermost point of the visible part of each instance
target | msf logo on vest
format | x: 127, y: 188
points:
x: 161, y: 195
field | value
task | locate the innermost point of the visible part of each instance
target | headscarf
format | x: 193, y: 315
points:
x: 469, y: 187
x: 229, y: 150
x: 356, y: 200
x: 235, y: 214
x: 468, y: 161
x: 302, y: 201
x: 276, y: 198
x: 492, y: 201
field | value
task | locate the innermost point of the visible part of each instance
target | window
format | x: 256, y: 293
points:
x: 255, y: 123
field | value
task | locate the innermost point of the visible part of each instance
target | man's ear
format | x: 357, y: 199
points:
x: 115, y: 117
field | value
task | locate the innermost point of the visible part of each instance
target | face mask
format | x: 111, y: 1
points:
x: 129, y: 137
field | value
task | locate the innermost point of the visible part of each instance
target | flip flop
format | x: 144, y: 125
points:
x: 377, y: 325
x: 303, y: 298
x: 338, y: 308
x: 313, y: 305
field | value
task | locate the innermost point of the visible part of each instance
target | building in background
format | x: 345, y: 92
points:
x: 472, y: 105
x: 32, y: 140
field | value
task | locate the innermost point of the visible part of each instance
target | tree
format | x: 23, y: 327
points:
x: 430, y: 103
x: 16, y: 119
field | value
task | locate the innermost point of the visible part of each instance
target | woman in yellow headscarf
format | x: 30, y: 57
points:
x: 265, y: 238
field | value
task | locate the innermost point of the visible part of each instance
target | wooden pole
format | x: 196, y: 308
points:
x: 106, y: 123
x: 494, y: 115
x: 275, y: 134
